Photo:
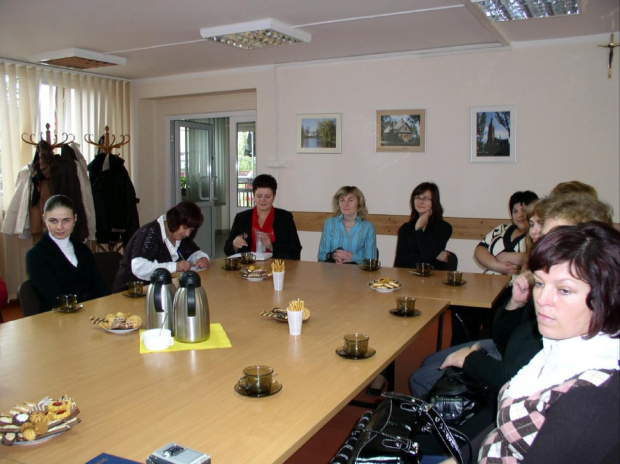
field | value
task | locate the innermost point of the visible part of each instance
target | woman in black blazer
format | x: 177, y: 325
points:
x: 275, y: 228
x: 59, y: 265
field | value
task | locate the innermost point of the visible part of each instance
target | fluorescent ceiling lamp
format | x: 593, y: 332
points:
x: 508, y: 10
x: 77, y: 58
x: 261, y: 33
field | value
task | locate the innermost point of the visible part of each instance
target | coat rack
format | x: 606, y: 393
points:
x: 107, y: 146
x: 48, y: 138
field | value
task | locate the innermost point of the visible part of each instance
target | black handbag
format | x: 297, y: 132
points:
x: 387, y: 435
x: 457, y: 397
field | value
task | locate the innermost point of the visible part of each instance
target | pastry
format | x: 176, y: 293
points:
x: 41, y: 427
x: 19, y: 419
x: 38, y: 416
x: 29, y: 434
x: 8, y: 438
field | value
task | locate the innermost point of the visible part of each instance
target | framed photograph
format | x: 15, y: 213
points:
x: 401, y: 130
x: 494, y: 134
x: 319, y: 133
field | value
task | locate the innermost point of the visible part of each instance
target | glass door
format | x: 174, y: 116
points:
x: 192, y: 145
x: 242, y: 164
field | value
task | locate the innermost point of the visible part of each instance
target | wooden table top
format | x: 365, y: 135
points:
x: 132, y: 403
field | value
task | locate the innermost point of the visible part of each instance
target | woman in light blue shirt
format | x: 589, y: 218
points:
x: 348, y: 237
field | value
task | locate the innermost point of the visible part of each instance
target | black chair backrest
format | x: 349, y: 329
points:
x: 107, y: 263
x: 28, y: 299
x: 453, y: 262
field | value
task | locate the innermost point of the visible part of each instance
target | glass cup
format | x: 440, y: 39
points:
x: 248, y: 257
x: 257, y: 380
x: 455, y: 277
x: 424, y: 269
x: 406, y: 304
x: 356, y: 344
x: 260, y: 248
x: 372, y: 264
x: 135, y: 288
x: 67, y: 302
x: 231, y: 263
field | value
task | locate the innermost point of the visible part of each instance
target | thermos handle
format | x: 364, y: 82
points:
x: 157, y: 298
x: 191, y: 302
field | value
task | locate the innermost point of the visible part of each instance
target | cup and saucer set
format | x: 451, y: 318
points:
x: 355, y: 347
x: 258, y: 382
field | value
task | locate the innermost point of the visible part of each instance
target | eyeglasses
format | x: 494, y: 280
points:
x: 422, y: 199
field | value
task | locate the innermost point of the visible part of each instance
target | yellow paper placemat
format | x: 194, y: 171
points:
x: 218, y: 339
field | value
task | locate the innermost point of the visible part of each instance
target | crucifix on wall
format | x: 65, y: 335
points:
x: 611, y: 45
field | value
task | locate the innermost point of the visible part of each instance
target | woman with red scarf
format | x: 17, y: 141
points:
x: 264, y: 228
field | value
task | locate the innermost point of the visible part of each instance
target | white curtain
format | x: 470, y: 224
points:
x: 73, y: 103
x: 78, y: 104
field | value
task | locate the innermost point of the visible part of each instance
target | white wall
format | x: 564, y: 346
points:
x: 567, y: 128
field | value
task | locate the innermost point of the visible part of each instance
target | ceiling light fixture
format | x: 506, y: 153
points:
x: 77, y: 58
x: 508, y: 10
x: 261, y: 33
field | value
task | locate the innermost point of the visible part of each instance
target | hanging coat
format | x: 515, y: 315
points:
x: 114, y: 197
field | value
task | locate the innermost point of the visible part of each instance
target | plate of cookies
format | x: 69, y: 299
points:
x: 29, y: 422
x: 384, y: 285
x: 255, y: 273
x: 118, y: 323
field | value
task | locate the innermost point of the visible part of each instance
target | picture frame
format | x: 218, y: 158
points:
x: 401, y: 130
x: 494, y: 134
x: 319, y: 133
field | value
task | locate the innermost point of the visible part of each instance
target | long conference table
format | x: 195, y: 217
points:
x: 131, y: 403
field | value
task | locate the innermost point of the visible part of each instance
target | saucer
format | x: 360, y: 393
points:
x: 125, y: 294
x: 249, y: 261
x: 364, y: 268
x: 73, y: 310
x: 396, y: 312
x: 343, y: 354
x: 275, y: 388
x: 236, y: 268
x: 422, y: 275
x: 454, y: 284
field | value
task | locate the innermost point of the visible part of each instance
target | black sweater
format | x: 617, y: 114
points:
x: 148, y: 243
x: 52, y: 274
x: 516, y: 336
x: 421, y: 246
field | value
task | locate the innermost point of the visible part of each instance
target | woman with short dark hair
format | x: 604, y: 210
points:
x: 424, y: 238
x: 568, y: 393
x: 264, y: 227
x: 166, y: 242
x: 59, y: 265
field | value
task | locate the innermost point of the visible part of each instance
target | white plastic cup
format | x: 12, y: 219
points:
x: 295, y: 319
x: 157, y: 339
x: 278, y: 280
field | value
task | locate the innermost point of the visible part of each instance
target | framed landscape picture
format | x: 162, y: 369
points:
x: 494, y: 134
x: 319, y: 133
x: 401, y: 130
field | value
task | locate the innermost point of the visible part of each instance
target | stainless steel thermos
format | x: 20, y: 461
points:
x: 191, y: 310
x: 159, y: 300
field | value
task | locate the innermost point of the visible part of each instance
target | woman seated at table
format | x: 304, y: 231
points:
x: 564, y: 408
x: 348, y: 237
x: 166, y: 242
x: 424, y: 238
x: 57, y: 264
x: 264, y: 227
x: 501, y: 251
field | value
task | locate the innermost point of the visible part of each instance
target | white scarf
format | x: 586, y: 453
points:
x: 560, y: 360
